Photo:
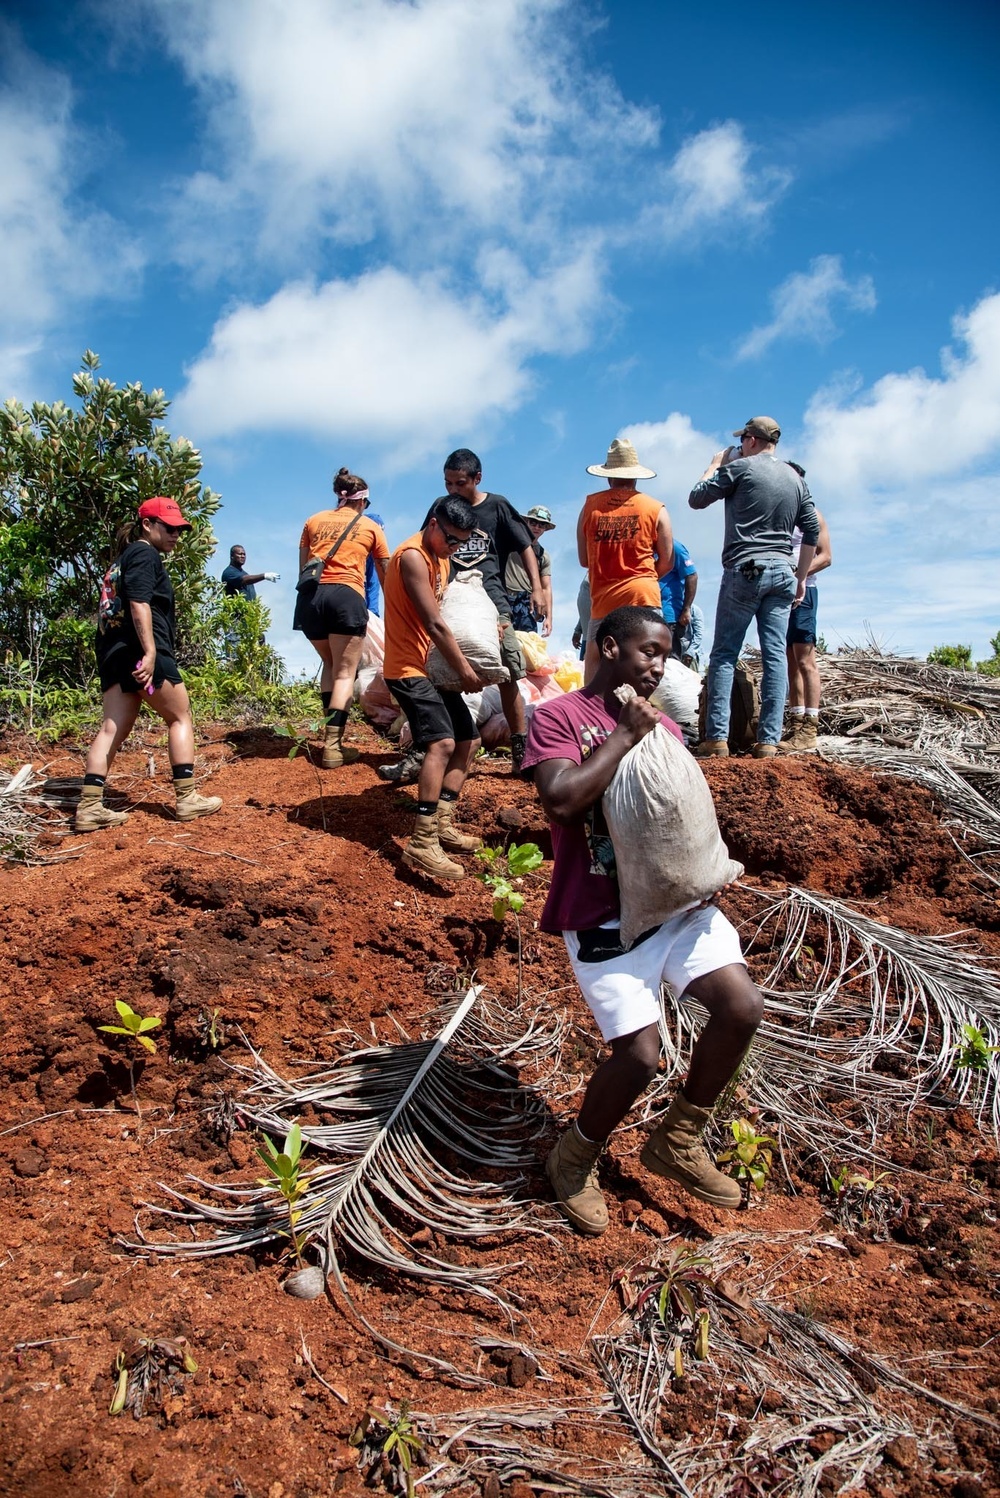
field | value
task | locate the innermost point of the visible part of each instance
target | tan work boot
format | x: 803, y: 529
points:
x: 764, y: 751
x: 423, y: 851
x: 572, y: 1171
x: 711, y: 749
x: 334, y: 753
x: 803, y: 740
x: 92, y: 814
x: 674, y: 1149
x: 190, y: 804
x: 450, y: 836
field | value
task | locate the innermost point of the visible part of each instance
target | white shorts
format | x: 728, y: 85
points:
x: 624, y: 992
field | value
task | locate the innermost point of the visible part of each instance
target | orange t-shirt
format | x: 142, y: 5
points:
x: 620, y: 530
x: 407, y: 643
x: 348, y: 566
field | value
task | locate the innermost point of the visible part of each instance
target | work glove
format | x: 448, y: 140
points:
x: 272, y: 577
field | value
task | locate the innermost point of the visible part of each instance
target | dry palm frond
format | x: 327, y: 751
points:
x: 876, y: 1024
x: 26, y: 820
x: 822, y: 1383
x: 965, y: 807
x: 402, y: 1114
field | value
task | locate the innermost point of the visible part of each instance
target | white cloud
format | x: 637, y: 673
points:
x: 403, y: 361
x: 712, y: 185
x: 803, y: 305
x: 912, y: 427
x: 371, y: 116
x: 680, y: 454
x: 53, y: 251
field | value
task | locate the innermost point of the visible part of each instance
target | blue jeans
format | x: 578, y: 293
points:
x: 766, y: 597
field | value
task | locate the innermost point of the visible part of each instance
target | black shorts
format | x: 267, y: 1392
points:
x: 333, y: 609
x: 433, y: 714
x: 802, y: 621
x: 116, y: 671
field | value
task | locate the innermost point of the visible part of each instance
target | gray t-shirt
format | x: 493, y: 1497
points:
x: 765, y: 501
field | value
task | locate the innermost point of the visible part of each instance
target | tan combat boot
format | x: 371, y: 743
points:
x: 764, y: 751
x: 334, y: 753
x: 803, y: 740
x: 451, y: 837
x: 92, y: 814
x: 711, y: 749
x: 423, y: 851
x: 572, y: 1171
x: 190, y: 804
x: 675, y: 1150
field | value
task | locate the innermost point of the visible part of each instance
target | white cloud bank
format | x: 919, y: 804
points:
x: 803, y: 306
x: 713, y: 186
x: 53, y: 252
x: 404, y: 361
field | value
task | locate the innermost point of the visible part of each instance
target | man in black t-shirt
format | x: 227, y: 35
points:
x: 499, y: 533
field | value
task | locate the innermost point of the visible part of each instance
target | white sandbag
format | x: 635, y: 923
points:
x: 489, y: 705
x: 373, y: 644
x: 471, y: 615
x: 377, y: 702
x: 677, y: 694
x: 668, y: 849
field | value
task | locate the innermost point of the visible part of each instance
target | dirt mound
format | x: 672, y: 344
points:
x: 288, y: 920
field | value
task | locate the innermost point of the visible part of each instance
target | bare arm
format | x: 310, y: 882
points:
x: 581, y: 539
x: 531, y: 568
x: 568, y: 790
x: 690, y: 589
x: 547, y: 594
x: 823, y: 555
x: 381, y: 568
x: 142, y: 618
x: 417, y: 584
x: 664, y: 543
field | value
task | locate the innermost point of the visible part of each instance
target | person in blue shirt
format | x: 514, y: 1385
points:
x: 237, y: 580
x: 677, y: 590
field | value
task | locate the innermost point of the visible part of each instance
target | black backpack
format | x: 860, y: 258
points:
x: 744, y: 709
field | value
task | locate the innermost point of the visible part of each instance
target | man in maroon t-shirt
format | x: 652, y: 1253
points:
x: 575, y: 745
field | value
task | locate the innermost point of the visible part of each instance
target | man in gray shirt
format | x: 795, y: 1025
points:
x: 765, y: 500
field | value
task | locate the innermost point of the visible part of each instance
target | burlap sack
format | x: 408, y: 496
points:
x: 662, y: 822
x: 471, y: 615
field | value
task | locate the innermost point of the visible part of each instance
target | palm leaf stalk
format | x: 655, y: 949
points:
x: 399, y: 1110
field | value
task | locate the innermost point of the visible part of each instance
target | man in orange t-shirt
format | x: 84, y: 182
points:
x: 623, y: 538
x: 439, y: 720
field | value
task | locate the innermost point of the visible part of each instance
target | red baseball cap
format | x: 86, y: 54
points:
x: 160, y: 507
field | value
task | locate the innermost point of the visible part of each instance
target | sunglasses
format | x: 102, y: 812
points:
x: 174, y: 530
x: 450, y: 540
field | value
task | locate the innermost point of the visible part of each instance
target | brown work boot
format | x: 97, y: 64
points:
x: 711, y: 749
x: 572, y: 1171
x: 674, y: 1149
x: 423, y: 851
x: 804, y: 739
x: 190, y: 804
x: 450, y: 836
x: 764, y: 751
x: 92, y: 814
x: 791, y: 730
x: 334, y: 753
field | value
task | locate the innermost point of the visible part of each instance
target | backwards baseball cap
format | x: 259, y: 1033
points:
x: 764, y: 427
x: 542, y: 515
x: 160, y: 507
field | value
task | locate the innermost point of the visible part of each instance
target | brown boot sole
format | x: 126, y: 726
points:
x: 433, y: 871
x: 657, y: 1166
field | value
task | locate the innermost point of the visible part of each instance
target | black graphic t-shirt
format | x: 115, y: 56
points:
x: 499, y: 532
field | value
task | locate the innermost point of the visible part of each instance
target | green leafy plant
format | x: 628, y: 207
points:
x: 300, y: 745
x: 213, y: 1031
x: 955, y: 657
x: 502, y: 870
x: 974, y: 1053
x: 134, y: 1027
x: 285, y: 1174
x: 862, y: 1201
x: 750, y: 1158
x: 389, y: 1446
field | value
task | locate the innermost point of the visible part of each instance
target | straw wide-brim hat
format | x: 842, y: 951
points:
x: 622, y: 463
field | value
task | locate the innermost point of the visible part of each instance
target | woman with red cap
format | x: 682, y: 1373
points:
x: 136, y: 659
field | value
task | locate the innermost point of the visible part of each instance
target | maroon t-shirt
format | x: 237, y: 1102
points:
x: 584, y: 888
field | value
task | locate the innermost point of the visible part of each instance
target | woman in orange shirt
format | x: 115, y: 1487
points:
x: 335, y: 618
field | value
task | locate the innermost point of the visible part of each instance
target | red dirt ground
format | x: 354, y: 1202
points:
x: 294, y: 932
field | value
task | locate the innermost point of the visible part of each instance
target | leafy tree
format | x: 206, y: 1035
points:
x: 991, y: 667
x: 956, y: 657
x: 69, y: 479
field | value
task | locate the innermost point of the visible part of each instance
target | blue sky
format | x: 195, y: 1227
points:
x: 364, y: 232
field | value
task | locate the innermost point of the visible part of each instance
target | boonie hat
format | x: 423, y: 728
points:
x: 160, y: 507
x: 622, y: 463
x: 764, y: 427
x: 542, y: 516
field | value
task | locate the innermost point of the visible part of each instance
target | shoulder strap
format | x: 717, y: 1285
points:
x: 340, y: 540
